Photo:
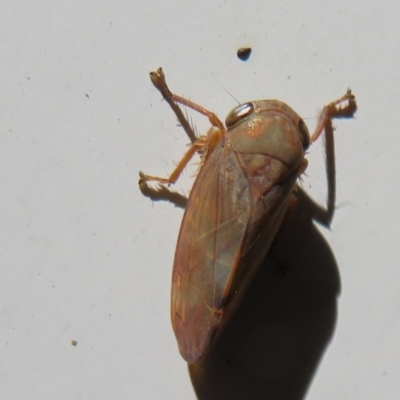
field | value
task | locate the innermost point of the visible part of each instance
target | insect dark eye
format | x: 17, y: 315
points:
x: 238, y: 114
x: 304, y: 134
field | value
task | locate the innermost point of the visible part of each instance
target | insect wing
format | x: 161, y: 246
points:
x: 209, y: 247
x: 225, y: 233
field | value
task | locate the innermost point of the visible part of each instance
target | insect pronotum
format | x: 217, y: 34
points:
x: 249, y: 168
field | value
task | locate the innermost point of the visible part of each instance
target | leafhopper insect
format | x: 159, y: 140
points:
x: 249, y: 169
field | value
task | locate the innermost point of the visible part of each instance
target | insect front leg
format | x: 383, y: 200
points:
x: 162, y: 193
x: 199, y: 145
x: 332, y: 111
x: 204, y: 145
x: 158, y: 80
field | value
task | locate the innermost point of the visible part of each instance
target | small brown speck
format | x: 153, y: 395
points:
x: 244, y: 53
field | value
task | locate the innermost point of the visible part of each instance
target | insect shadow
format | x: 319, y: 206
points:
x: 272, y: 346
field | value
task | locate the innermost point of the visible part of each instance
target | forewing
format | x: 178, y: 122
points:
x: 209, y: 248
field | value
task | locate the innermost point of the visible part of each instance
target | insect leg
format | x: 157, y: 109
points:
x: 203, y: 145
x: 158, y: 80
x: 328, y: 113
x: 198, y: 145
x: 162, y: 193
x: 334, y: 110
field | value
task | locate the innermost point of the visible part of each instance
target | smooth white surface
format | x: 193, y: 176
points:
x: 85, y: 257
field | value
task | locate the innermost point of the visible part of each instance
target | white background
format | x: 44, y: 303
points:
x: 84, y: 256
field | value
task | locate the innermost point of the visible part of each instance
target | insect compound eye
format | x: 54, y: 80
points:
x: 304, y: 134
x: 238, y: 114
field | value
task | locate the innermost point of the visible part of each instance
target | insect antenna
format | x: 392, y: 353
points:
x: 226, y: 90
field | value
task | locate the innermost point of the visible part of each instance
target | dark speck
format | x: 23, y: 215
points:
x: 244, y: 53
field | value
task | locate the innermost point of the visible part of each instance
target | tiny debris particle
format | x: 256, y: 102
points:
x: 74, y: 343
x: 244, y: 53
